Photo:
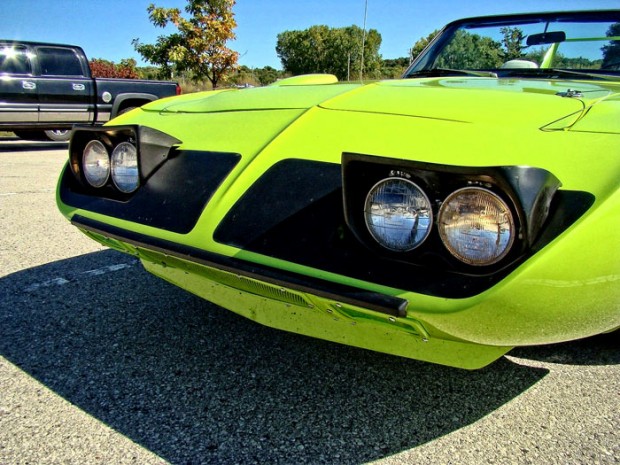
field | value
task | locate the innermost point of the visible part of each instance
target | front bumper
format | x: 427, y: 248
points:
x: 285, y: 301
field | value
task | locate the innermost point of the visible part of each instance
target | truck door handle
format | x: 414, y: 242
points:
x: 78, y: 86
x: 29, y: 85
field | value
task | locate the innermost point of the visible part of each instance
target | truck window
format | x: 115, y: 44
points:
x: 14, y: 61
x: 56, y: 61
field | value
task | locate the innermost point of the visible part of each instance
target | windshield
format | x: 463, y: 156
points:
x: 586, y: 45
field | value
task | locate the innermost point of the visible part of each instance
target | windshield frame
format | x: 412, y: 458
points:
x: 420, y: 65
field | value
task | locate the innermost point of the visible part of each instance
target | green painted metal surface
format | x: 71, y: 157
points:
x: 567, y: 290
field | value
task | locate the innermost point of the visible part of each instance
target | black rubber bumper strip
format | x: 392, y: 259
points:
x: 389, y: 305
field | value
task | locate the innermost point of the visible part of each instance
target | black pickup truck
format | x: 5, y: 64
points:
x: 47, y: 88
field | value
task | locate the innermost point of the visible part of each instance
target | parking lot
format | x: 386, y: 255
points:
x: 102, y: 363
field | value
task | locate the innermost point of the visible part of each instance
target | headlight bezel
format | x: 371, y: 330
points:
x: 154, y: 148
x: 527, y: 191
x: 110, y: 138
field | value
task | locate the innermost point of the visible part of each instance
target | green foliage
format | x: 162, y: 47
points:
x: 338, y: 51
x: 561, y: 61
x: 199, y: 46
x: 611, y: 51
x: 159, y: 54
x: 513, y: 38
x: 126, y: 69
x: 149, y: 72
x: 421, y: 44
x: 267, y: 75
x: 394, y: 68
x: 245, y: 76
x: 471, y: 51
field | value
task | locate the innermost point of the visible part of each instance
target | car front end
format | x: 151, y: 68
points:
x: 447, y: 216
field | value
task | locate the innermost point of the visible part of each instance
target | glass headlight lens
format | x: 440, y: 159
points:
x: 125, y: 173
x: 398, y: 214
x: 96, y: 163
x: 476, y: 226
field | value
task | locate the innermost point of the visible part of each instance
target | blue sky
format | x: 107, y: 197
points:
x: 105, y: 28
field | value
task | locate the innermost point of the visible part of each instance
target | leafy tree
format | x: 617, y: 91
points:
x: 562, y: 61
x: 421, y: 44
x: 199, y: 46
x: 394, y: 68
x: 159, y: 54
x: 302, y: 51
x: 267, y: 75
x: 243, y: 75
x: 513, y: 38
x: 246, y: 76
x: 321, y: 49
x: 148, y: 72
x: 611, y: 51
x: 471, y: 51
x: 108, y: 69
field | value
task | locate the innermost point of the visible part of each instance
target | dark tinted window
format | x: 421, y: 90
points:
x: 58, y: 62
x: 14, y: 60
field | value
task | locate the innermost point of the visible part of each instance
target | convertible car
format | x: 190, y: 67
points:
x: 470, y: 207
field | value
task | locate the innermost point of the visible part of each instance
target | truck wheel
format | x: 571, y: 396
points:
x: 126, y: 110
x: 59, y: 135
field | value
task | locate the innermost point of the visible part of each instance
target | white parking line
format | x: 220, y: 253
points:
x: 61, y: 281
x: 48, y: 283
x: 109, y: 269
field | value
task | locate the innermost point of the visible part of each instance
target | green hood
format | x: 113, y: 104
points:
x: 470, y: 100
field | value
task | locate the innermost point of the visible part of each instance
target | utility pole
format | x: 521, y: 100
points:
x: 363, y: 40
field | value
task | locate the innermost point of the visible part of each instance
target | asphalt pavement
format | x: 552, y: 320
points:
x: 101, y: 363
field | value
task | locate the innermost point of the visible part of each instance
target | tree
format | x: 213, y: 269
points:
x: 611, y: 51
x: 267, y: 75
x: 199, y: 46
x: 338, y: 51
x: 421, y: 44
x: 513, y: 38
x: 471, y: 51
x: 394, y: 68
x: 159, y: 54
x: 107, y: 69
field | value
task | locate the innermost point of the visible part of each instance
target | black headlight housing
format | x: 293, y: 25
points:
x: 173, y: 186
x: 295, y: 212
x: 524, y: 193
x: 152, y: 147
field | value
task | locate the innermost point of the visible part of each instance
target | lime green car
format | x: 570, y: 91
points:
x: 470, y: 207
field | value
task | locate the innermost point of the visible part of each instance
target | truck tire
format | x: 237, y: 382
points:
x: 58, y: 135
x: 127, y: 110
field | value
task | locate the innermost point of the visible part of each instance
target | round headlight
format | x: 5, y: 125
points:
x: 125, y: 173
x: 96, y: 163
x: 476, y: 226
x: 398, y: 214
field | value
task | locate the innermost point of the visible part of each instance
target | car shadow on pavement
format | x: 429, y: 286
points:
x: 9, y: 144
x: 603, y: 349
x: 197, y: 384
